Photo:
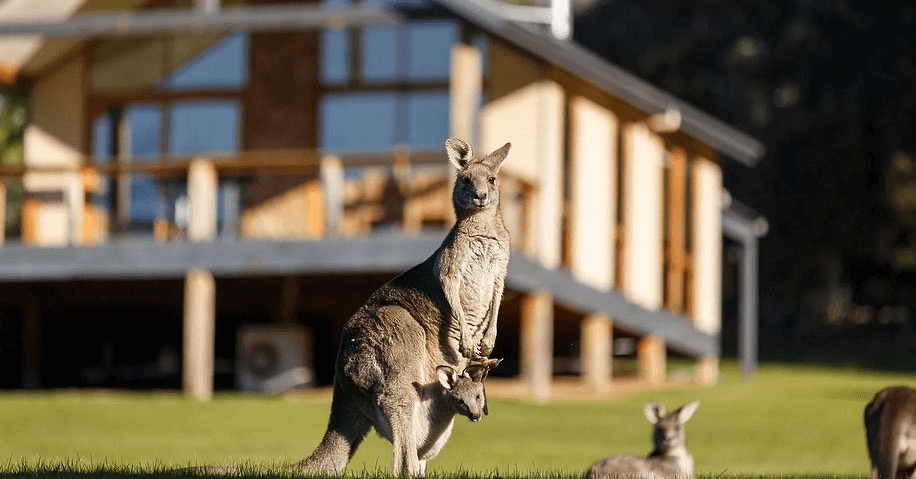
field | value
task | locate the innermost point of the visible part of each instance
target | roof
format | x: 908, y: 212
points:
x: 614, y: 80
x: 36, y: 33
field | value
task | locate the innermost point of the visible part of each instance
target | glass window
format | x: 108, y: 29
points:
x: 204, y: 126
x: 430, y: 50
x: 335, y: 56
x: 379, y: 54
x: 207, y: 65
x: 362, y: 121
x: 427, y: 117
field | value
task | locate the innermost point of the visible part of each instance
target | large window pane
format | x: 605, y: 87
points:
x: 358, y: 121
x: 379, y: 54
x: 206, y: 126
x: 223, y: 65
x: 335, y: 56
x: 430, y: 50
x: 427, y: 117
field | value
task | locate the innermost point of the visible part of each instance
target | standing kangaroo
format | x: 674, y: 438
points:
x: 890, y: 430
x: 441, y: 311
x: 669, y: 459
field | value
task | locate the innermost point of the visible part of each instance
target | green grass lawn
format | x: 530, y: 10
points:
x: 788, y: 421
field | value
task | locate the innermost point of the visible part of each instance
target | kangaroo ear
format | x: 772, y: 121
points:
x: 496, y: 159
x: 447, y: 376
x: 459, y: 152
x: 476, y: 372
x: 654, y: 411
x: 686, y: 411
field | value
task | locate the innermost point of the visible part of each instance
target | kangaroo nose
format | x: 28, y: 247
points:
x: 481, y: 195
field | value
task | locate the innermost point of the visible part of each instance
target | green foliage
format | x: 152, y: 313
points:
x: 12, y: 128
x: 787, y: 421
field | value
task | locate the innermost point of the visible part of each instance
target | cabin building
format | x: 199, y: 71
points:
x: 210, y: 189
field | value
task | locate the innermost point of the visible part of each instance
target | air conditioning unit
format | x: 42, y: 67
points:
x: 273, y: 358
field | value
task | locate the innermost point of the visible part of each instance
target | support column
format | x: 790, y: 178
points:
x: 747, y: 316
x: 707, y: 258
x: 465, y: 86
x: 331, y: 172
x: 202, y: 199
x: 199, y: 332
x: 650, y: 354
x: 536, y: 366
x: 31, y: 341
x: 597, y: 351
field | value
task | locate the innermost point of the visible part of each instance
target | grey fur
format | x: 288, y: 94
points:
x: 669, y: 459
x: 440, y: 312
x: 890, y: 432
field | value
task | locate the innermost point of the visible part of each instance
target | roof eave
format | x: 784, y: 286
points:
x: 578, y: 60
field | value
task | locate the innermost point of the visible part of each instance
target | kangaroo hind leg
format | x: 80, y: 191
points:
x: 347, y: 427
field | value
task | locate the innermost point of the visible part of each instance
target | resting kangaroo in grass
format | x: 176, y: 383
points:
x: 890, y: 430
x: 442, y: 311
x: 669, y: 459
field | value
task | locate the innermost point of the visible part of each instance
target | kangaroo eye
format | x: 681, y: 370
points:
x: 492, y: 180
x: 461, y: 402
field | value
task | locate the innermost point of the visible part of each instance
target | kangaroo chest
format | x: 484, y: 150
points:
x: 486, y: 260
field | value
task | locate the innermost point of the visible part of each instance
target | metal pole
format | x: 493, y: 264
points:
x: 747, y: 308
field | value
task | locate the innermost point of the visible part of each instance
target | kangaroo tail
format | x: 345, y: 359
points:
x: 346, y: 429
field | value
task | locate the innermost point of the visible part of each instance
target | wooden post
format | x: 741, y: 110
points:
x: 31, y: 341
x: 707, y: 255
x: 651, y: 357
x: 707, y: 370
x: 677, y: 231
x: 596, y: 353
x: 75, y: 199
x: 331, y: 171
x: 465, y: 86
x: 199, y: 332
x: 536, y: 366
x: 202, y: 199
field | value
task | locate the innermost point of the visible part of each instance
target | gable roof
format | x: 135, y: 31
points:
x: 614, y: 80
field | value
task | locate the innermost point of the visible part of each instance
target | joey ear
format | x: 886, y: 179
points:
x: 486, y: 410
x: 459, y: 152
x: 654, y: 411
x: 447, y: 376
x: 496, y: 159
x: 686, y: 411
x: 476, y: 372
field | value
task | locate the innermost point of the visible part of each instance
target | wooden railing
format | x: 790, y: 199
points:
x: 266, y: 194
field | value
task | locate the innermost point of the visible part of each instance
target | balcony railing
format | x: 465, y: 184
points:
x: 263, y: 195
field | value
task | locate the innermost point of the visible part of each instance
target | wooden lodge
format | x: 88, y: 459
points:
x: 195, y: 170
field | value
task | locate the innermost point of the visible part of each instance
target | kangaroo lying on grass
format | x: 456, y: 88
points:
x: 669, y: 459
x: 890, y: 430
x: 442, y: 311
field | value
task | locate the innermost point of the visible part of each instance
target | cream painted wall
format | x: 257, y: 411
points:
x: 707, y: 245
x: 526, y: 109
x: 643, y: 154
x: 54, y: 138
x: 594, y: 192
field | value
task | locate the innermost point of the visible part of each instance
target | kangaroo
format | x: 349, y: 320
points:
x: 890, y: 431
x: 669, y: 459
x: 440, y: 312
x: 473, y: 260
x: 433, y: 413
